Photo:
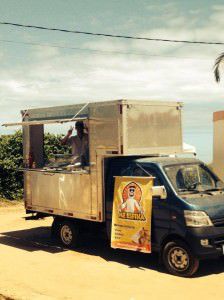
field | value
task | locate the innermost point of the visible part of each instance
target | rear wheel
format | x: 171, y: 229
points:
x: 68, y: 234
x: 179, y: 259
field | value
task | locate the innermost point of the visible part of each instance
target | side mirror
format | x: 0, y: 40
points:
x: 159, y: 191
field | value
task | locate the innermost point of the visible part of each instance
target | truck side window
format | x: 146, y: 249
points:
x: 137, y: 171
x: 206, y: 178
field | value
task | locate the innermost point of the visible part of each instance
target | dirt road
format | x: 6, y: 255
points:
x: 33, y: 267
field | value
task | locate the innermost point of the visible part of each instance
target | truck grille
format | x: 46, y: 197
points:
x: 219, y: 222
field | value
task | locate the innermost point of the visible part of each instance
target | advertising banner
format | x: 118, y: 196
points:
x: 132, y: 213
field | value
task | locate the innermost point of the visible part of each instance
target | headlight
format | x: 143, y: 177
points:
x: 197, y: 218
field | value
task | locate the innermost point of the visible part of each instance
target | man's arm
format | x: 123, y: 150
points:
x: 123, y: 206
x: 138, y: 206
x: 65, y: 139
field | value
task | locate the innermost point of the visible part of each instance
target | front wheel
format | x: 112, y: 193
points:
x: 179, y: 259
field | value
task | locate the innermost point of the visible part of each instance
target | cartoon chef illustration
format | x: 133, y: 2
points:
x: 130, y: 204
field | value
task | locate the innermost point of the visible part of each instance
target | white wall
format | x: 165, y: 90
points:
x: 218, y: 144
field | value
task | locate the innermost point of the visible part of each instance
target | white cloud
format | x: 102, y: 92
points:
x: 55, y: 77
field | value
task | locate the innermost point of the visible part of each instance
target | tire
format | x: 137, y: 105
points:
x: 179, y: 259
x: 68, y: 233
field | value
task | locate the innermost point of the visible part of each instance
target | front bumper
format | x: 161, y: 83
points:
x: 215, y: 236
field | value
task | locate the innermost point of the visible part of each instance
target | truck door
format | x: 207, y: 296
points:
x: 116, y: 167
x: 160, y: 208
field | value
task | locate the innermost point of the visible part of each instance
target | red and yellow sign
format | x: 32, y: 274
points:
x: 132, y: 212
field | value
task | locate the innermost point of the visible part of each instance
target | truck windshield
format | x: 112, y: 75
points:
x: 192, y: 178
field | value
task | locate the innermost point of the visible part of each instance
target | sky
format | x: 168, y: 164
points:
x: 62, y: 68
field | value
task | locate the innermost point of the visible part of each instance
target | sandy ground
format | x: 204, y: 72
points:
x: 33, y: 267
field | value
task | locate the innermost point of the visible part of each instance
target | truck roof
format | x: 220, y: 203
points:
x: 166, y: 160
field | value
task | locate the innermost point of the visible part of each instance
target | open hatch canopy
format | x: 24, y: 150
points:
x: 59, y: 121
x: 58, y: 115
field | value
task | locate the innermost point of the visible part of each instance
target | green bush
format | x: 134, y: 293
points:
x: 11, y: 160
x: 52, y: 145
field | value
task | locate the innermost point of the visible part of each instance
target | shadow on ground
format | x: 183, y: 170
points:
x: 34, y: 239
x: 39, y: 238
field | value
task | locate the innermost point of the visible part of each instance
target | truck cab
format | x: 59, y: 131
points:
x: 188, y: 225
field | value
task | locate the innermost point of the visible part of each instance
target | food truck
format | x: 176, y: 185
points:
x: 180, y: 212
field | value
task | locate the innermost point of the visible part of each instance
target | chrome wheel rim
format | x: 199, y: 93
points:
x: 66, y: 234
x: 178, y: 259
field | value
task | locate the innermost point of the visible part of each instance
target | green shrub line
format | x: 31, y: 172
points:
x: 11, y: 160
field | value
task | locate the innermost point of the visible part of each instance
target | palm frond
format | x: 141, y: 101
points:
x: 219, y: 60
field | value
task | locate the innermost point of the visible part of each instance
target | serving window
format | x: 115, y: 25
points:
x: 43, y: 148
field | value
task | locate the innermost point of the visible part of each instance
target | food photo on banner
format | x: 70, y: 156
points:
x: 132, y: 213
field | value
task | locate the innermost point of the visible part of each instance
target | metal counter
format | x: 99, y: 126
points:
x: 60, y: 192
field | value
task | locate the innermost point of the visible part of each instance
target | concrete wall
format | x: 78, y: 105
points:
x: 218, y: 143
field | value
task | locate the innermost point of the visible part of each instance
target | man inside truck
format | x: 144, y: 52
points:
x: 79, y: 143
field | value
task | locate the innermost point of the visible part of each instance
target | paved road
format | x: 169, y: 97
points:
x: 33, y: 267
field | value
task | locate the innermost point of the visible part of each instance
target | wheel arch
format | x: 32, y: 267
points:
x: 170, y: 238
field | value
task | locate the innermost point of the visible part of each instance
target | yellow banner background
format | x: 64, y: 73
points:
x: 132, y: 213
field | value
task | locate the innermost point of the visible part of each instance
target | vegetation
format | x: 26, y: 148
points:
x: 219, y: 61
x: 11, y: 180
x: 11, y: 160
